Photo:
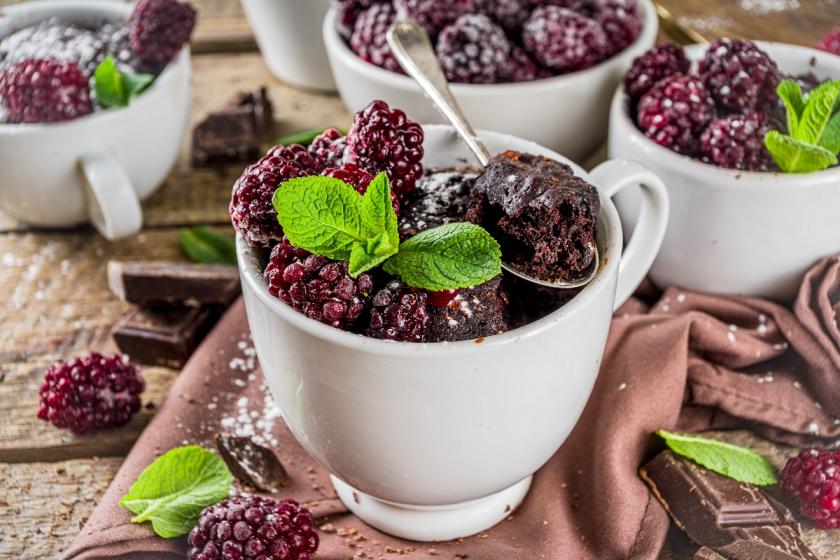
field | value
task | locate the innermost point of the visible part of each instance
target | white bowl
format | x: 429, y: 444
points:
x: 439, y: 441
x: 97, y: 167
x: 732, y: 231
x: 566, y: 113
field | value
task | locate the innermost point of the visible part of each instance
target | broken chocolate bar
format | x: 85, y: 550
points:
x: 155, y: 283
x: 252, y: 463
x: 735, y: 520
x: 229, y: 136
x: 260, y: 106
x: 163, y: 337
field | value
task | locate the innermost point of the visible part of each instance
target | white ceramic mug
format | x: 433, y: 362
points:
x: 731, y: 231
x: 287, y: 32
x: 567, y: 113
x: 438, y: 441
x: 98, y: 167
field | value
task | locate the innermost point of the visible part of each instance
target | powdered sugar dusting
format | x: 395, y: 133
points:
x: 764, y: 7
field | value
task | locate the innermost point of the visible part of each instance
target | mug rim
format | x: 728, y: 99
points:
x: 608, y: 221
x: 620, y: 113
x: 111, y: 8
x: 335, y: 44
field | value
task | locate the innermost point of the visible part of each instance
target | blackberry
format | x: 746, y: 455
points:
x: 522, y: 68
x: 160, y: 28
x: 400, y: 313
x: 621, y: 21
x: 657, y: 63
x: 368, y: 39
x: 433, y: 15
x: 737, y: 142
x: 251, y: 211
x: 474, y: 50
x: 813, y: 479
x: 348, y: 11
x: 564, y: 40
x: 253, y: 527
x: 831, y: 42
x: 44, y: 91
x: 90, y: 392
x: 382, y: 139
x: 510, y: 14
x: 675, y: 111
x: 740, y: 76
x: 359, y: 179
x: 570, y: 4
x: 328, y: 147
x: 316, y: 286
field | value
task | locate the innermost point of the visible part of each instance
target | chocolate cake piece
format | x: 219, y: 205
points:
x: 473, y: 313
x: 542, y: 214
x: 441, y: 197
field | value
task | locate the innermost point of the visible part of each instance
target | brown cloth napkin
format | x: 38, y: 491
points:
x: 690, y: 362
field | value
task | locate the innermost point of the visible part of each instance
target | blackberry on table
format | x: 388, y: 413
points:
x: 160, y: 28
x: 44, y: 91
x: 474, y: 50
x: 812, y: 478
x: 740, y: 76
x: 657, y: 63
x: 675, y: 111
x: 564, y: 40
x: 737, y: 142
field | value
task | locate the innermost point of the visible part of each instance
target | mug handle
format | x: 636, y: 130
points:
x: 640, y: 252
x: 112, y: 200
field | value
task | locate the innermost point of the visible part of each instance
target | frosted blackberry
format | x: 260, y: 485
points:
x: 740, y: 76
x: 90, y: 392
x: 621, y: 21
x: 474, y: 50
x: 657, y: 63
x: 522, y: 68
x: 316, y: 286
x: 347, y: 12
x: 675, y: 112
x: 328, y: 147
x: 812, y: 478
x: 564, y: 40
x: 359, y: 179
x: 255, y: 528
x: 368, y: 39
x: 400, y: 313
x: 510, y: 14
x: 251, y: 211
x: 382, y: 139
x: 44, y: 91
x: 433, y: 15
x: 160, y: 28
x: 831, y: 42
x: 737, y: 142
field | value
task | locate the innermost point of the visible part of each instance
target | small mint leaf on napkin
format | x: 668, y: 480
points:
x: 744, y: 465
x: 114, y: 88
x: 204, y: 245
x: 795, y: 156
x: 172, y: 491
x: 458, y: 255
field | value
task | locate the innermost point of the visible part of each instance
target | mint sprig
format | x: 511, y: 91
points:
x: 812, y: 141
x: 303, y: 137
x: 114, y: 88
x: 172, y: 491
x: 744, y: 465
x: 328, y: 217
x: 204, y: 245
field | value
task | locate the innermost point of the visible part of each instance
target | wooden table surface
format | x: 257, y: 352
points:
x: 57, y: 303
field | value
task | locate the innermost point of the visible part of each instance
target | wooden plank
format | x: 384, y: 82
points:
x: 44, y: 505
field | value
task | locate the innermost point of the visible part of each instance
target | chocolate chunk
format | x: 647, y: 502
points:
x: 542, y: 214
x: 251, y: 463
x: 257, y: 102
x: 163, y: 337
x: 153, y: 283
x: 736, y: 520
x: 475, y: 312
x: 229, y: 136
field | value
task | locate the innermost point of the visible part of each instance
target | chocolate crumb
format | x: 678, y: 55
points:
x: 252, y: 463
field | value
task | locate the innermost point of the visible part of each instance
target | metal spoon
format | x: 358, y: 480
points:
x: 413, y: 50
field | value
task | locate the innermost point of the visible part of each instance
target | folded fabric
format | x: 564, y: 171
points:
x: 688, y: 362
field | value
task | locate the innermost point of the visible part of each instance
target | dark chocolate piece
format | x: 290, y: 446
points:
x: 736, y: 520
x: 260, y: 106
x: 163, y: 337
x: 542, y: 214
x: 228, y: 136
x: 154, y: 283
x: 253, y: 464
x: 474, y: 313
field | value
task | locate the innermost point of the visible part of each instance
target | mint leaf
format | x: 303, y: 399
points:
x: 744, y: 465
x: 304, y: 137
x: 378, y: 211
x: 817, y: 112
x: 795, y: 156
x: 322, y: 215
x: 830, y: 139
x: 790, y: 93
x: 114, y: 88
x: 204, y: 245
x: 172, y: 491
x: 373, y: 252
x: 451, y: 256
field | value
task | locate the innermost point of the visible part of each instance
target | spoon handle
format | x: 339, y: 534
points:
x: 413, y: 50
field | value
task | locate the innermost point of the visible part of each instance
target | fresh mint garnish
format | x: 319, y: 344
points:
x: 204, y: 245
x: 304, y: 137
x: 812, y: 141
x: 172, y: 491
x: 114, y: 88
x: 328, y: 217
x: 744, y: 465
